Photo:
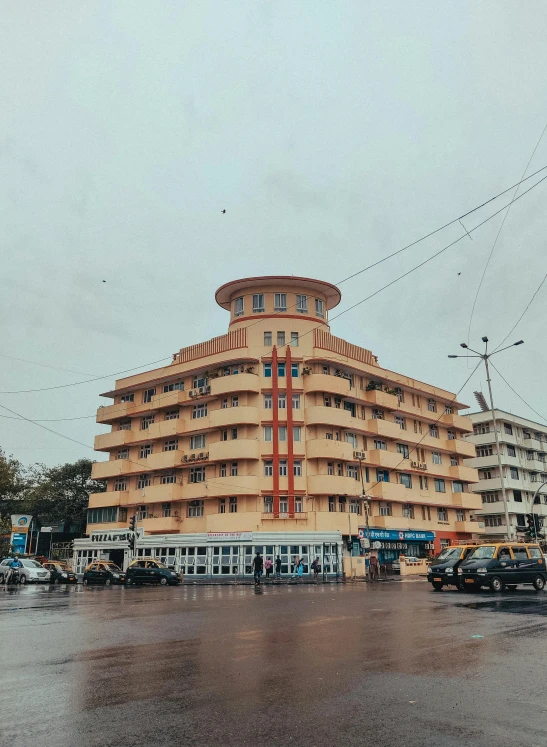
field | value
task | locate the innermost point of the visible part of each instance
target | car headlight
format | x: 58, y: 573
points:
x: 449, y: 570
x: 116, y: 575
x: 460, y: 570
x: 64, y: 575
x: 173, y: 573
x: 482, y: 570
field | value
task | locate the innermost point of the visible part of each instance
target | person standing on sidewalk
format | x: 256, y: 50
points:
x: 258, y: 566
x: 374, y: 568
x: 268, y: 567
x: 315, y: 566
x: 300, y: 569
x: 278, y: 567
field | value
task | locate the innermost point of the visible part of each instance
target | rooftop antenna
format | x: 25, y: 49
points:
x: 479, y: 396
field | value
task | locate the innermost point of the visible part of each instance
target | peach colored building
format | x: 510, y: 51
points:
x: 264, y: 438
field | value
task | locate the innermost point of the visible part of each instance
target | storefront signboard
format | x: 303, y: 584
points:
x: 229, y: 536
x: 114, y: 535
x: 20, y: 524
x: 401, y: 536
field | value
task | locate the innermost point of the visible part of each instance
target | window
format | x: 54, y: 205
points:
x: 301, y: 304
x: 283, y: 506
x: 282, y: 400
x: 146, y: 422
x: 436, y: 457
x: 514, y: 473
x: 385, y: 508
x: 485, y: 474
x: 280, y: 302
x: 405, y: 480
x: 297, y: 468
x: 233, y: 505
x: 268, y: 504
x: 282, y: 432
x: 129, y: 397
x: 492, y: 521
x: 223, y: 469
x: 146, y: 450
x: 143, y: 481
x: 326, y: 370
x: 451, y: 435
x: 225, y: 403
x: 294, y: 370
x: 511, y: 451
x: 168, y: 478
x: 298, y: 505
x: 319, y: 308
x: 517, y: 496
x: 402, y: 449
x: 122, y: 454
x: 433, y: 431
x: 124, y: 425
x: 328, y: 436
x: 442, y: 514
x: 377, y: 414
x: 448, y: 410
x: 482, y: 451
x: 201, y: 380
x: 197, y: 441
x: 171, y: 445
x: 195, y: 508
x: 439, y: 485
x: 238, y: 306
x: 268, y: 370
x: 508, y: 428
x: 222, y: 505
x: 268, y: 339
x: 120, y: 484
x: 268, y: 402
x: 330, y: 468
x: 234, y: 434
x: 352, y: 471
x: 280, y: 339
x: 148, y: 394
x: 296, y: 402
x: 408, y: 511
x: 268, y: 432
x: 400, y: 394
x: 381, y: 445
x: 457, y: 486
x: 460, y: 514
x: 258, y: 303
x: 339, y: 469
x: 102, y: 515
x: 294, y: 339
x: 454, y: 461
x: 355, y: 506
x: 166, y: 510
x: 351, y: 438
x: 296, y: 432
x: 382, y: 475
x: 431, y: 406
x: 141, y: 512
x: 281, y: 369
x: 342, y: 503
x: 199, y: 411
x: 235, y: 401
x: 492, y: 497
x: 400, y: 422
x: 282, y: 468
x: 197, y: 474
x: 327, y: 401
x: 177, y: 386
x: 268, y: 468
x: 172, y: 415
x: 331, y: 504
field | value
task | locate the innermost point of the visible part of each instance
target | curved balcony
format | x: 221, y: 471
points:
x: 333, y: 485
x: 458, y: 422
x: 152, y: 494
x: 113, y: 440
x: 101, y: 500
x: 226, y: 451
x: 457, y: 446
x: 331, y: 416
x: 160, y: 524
x: 121, y: 410
x: 323, y: 448
x: 327, y: 383
x: 469, y: 527
x: 231, y: 416
x: 222, y: 486
x: 472, y: 501
x: 245, y: 382
x: 392, y: 491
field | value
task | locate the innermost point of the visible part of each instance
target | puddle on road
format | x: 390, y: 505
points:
x: 515, y: 606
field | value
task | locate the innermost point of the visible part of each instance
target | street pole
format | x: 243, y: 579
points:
x: 533, y: 504
x: 486, y: 357
x: 366, y: 504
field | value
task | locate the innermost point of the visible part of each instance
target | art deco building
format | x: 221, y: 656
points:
x: 264, y: 437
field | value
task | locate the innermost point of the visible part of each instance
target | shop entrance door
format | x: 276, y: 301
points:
x: 117, y: 556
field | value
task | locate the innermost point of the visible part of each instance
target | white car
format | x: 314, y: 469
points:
x: 31, y: 572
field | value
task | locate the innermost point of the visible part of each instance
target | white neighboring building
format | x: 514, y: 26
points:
x: 523, y: 446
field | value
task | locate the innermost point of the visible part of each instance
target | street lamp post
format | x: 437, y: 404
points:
x: 485, y: 357
x: 366, y: 506
x: 534, y: 502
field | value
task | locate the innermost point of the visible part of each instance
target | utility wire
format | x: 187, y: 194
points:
x: 498, y: 235
x: 523, y: 313
x: 45, y: 365
x: 518, y: 395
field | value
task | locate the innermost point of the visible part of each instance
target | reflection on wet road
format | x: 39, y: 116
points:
x: 391, y: 664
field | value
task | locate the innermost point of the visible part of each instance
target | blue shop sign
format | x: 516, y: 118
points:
x: 19, y: 542
x: 397, y: 536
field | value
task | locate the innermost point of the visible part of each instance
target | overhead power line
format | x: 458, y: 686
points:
x: 523, y: 313
x: 518, y: 395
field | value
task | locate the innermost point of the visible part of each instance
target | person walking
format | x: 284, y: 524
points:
x: 374, y: 568
x: 268, y: 566
x: 315, y: 567
x: 300, y: 569
x: 278, y: 567
x: 295, y: 566
x: 258, y: 566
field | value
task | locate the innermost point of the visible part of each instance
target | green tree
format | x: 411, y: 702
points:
x: 12, y: 485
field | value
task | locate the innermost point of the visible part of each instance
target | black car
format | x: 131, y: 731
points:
x: 443, y: 570
x: 503, y: 565
x: 103, y: 572
x: 60, y: 573
x: 148, y: 571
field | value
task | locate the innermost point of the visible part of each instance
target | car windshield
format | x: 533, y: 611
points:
x: 30, y: 564
x: 111, y: 566
x: 483, y: 553
x: 450, y: 553
x: 158, y: 564
x: 62, y: 567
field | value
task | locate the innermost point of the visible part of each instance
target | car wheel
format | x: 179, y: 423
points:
x: 496, y: 584
x: 23, y: 579
x: 437, y: 585
x: 539, y: 583
x: 163, y: 581
x: 108, y: 582
x: 128, y: 582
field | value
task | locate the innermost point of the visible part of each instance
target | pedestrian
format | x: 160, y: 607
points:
x: 295, y: 566
x: 258, y: 565
x: 315, y: 566
x: 300, y: 569
x: 278, y: 567
x: 268, y: 566
x: 374, y: 568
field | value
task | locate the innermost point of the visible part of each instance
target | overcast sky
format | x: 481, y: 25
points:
x: 332, y: 134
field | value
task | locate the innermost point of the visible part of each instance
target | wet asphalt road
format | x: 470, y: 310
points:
x: 391, y: 664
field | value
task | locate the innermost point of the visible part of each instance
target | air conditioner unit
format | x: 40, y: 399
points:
x: 204, y: 389
x: 413, y: 464
x: 207, y: 455
x: 193, y: 393
x: 192, y: 457
x: 200, y: 455
x: 359, y: 455
x: 185, y: 458
x: 422, y: 465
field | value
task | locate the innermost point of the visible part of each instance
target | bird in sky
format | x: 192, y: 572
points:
x: 223, y: 211
x: 459, y: 273
x: 104, y: 281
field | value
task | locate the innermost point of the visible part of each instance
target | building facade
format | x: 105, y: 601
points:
x: 265, y: 437
x: 523, y: 450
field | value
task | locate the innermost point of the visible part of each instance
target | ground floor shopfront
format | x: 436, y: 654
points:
x: 215, y: 554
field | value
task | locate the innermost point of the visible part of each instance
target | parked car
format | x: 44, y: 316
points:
x: 149, y: 571
x: 31, y: 572
x: 103, y: 572
x: 60, y: 573
x: 501, y: 565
